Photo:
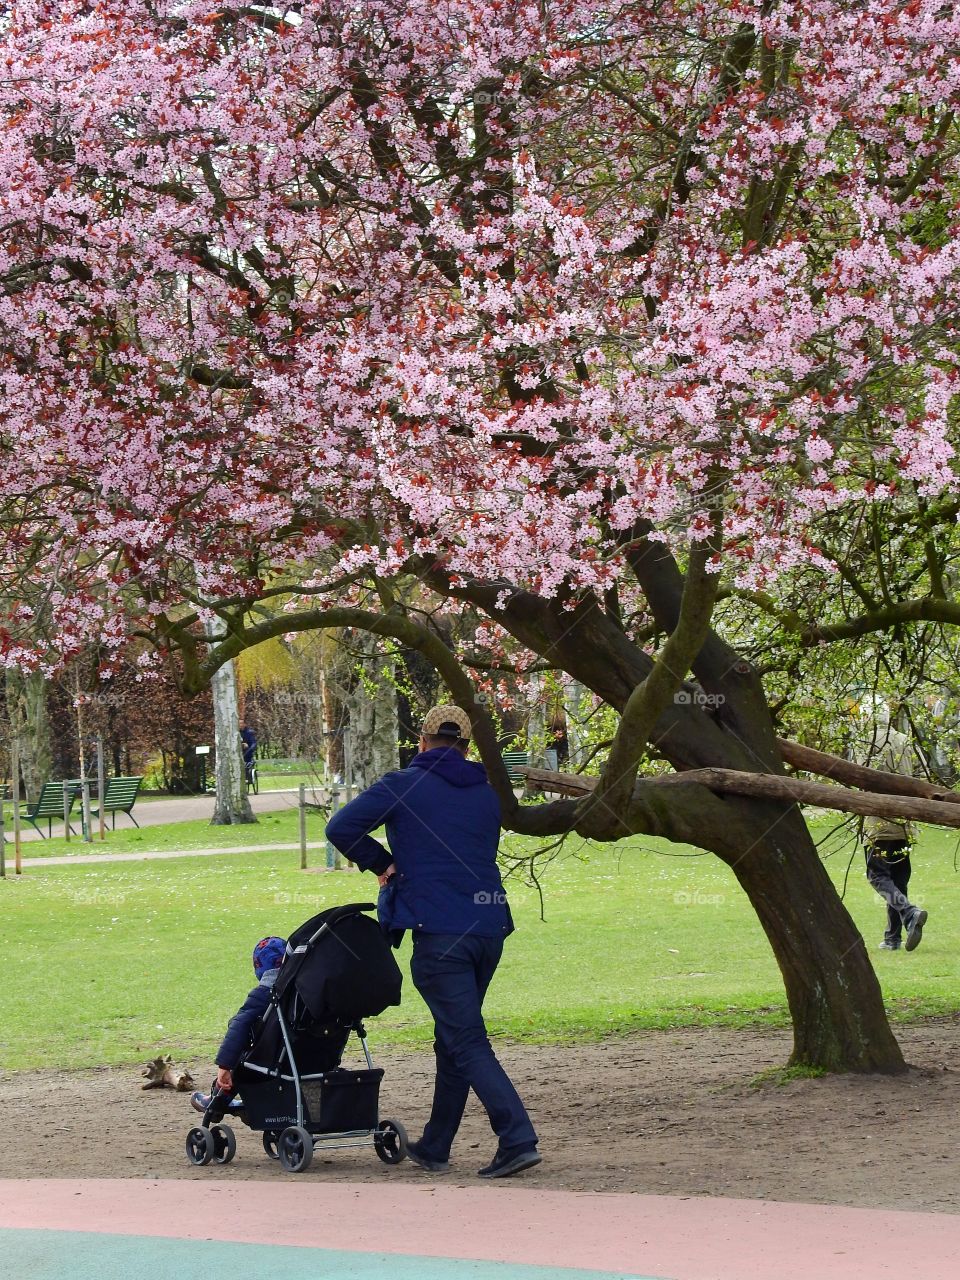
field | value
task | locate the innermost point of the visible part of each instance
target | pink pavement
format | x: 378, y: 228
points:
x: 682, y: 1239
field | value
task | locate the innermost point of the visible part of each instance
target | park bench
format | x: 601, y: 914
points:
x: 119, y: 796
x: 50, y: 804
x: 515, y: 762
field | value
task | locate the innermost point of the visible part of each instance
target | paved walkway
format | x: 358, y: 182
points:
x: 287, y: 1225
x: 82, y: 859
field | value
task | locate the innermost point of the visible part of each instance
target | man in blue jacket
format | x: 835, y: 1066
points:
x: 441, y: 881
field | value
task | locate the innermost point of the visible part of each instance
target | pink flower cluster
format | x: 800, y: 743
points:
x: 312, y: 293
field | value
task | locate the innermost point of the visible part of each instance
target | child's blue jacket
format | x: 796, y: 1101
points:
x: 244, y: 1023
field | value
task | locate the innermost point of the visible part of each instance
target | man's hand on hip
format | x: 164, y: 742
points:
x: 390, y: 872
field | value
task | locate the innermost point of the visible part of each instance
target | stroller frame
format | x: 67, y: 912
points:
x: 294, y: 1144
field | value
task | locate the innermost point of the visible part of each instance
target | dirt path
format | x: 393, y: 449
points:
x: 665, y: 1112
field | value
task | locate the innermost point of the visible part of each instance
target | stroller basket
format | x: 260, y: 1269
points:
x: 344, y: 1100
x: 339, y: 1101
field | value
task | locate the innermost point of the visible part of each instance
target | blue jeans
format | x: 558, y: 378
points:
x: 452, y: 974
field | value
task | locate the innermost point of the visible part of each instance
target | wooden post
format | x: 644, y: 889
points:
x: 85, y: 809
x: 15, y: 770
x: 101, y: 785
x: 303, y: 826
x: 3, y: 841
x: 347, y: 782
x: 334, y: 806
x: 66, y: 809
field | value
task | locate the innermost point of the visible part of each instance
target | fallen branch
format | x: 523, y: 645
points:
x: 161, y: 1073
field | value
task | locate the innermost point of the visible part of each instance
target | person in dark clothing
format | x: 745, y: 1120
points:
x: 440, y: 880
x: 249, y: 739
x: 888, y: 871
x: 887, y: 846
x: 267, y: 958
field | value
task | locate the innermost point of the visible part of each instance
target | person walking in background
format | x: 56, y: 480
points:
x: 249, y: 739
x: 440, y: 880
x: 887, y: 846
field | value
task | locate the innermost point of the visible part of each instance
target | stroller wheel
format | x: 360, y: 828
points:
x: 200, y: 1146
x: 390, y: 1141
x: 270, y: 1145
x: 224, y: 1143
x: 295, y: 1147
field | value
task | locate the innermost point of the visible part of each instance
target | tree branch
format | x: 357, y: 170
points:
x: 766, y: 786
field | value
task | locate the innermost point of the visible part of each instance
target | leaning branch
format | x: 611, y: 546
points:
x: 767, y: 786
x: 858, y: 775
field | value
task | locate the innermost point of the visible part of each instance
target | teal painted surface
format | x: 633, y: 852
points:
x: 74, y: 1255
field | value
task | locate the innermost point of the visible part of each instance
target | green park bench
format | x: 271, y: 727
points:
x: 119, y: 796
x: 50, y: 804
x: 515, y: 762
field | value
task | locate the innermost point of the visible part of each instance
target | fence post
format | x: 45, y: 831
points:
x: 101, y: 785
x: 334, y: 806
x: 85, y: 809
x: 67, y: 806
x: 303, y: 826
x: 15, y: 770
x: 3, y: 837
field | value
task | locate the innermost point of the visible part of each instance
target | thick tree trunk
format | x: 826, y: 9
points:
x: 374, y: 726
x: 839, y: 1021
x: 27, y: 709
x: 232, y: 804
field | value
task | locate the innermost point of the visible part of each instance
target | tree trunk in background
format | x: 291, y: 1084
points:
x: 373, y: 723
x: 27, y: 708
x: 575, y: 709
x: 233, y: 804
x: 537, y: 728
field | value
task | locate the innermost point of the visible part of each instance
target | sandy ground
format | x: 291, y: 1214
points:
x: 675, y: 1113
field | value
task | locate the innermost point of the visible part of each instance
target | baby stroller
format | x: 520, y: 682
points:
x: 338, y: 970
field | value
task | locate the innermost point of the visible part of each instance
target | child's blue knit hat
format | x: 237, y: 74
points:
x: 268, y: 954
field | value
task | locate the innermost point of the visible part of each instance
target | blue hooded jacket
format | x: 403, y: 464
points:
x: 442, y: 819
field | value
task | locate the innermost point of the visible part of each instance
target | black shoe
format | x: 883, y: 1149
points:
x: 506, y: 1163
x: 915, y: 930
x: 425, y: 1162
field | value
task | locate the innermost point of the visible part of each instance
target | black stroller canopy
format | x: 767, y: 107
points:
x: 341, y: 966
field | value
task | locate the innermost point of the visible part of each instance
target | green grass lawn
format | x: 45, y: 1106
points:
x: 270, y: 828
x: 111, y: 964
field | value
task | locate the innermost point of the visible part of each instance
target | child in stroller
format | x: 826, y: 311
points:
x: 335, y: 970
x: 267, y: 958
